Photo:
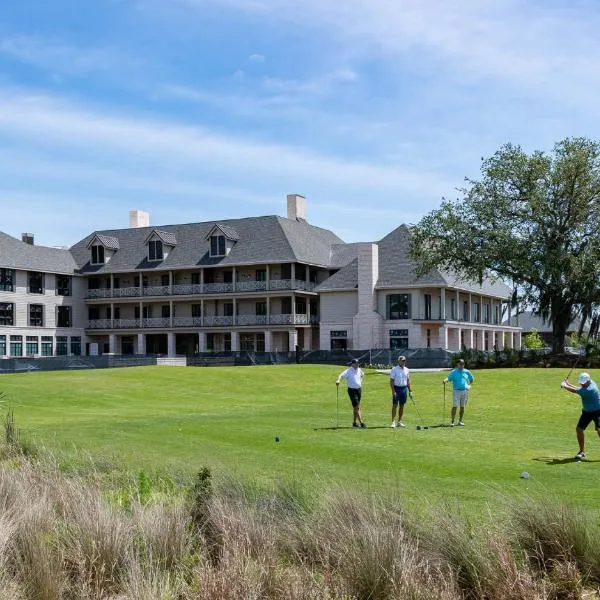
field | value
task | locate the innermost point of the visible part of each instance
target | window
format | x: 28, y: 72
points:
x: 196, y: 310
x: 116, y: 283
x: 76, y: 346
x: 227, y: 342
x: 210, y: 342
x: 247, y: 342
x: 35, y: 282
x: 476, y: 312
x: 228, y: 309
x: 63, y: 316
x: 398, y: 338
x: 7, y: 280
x: 93, y: 283
x: 63, y: 285
x: 261, y: 275
x: 195, y: 278
x: 47, y: 345
x: 62, y: 347
x: 93, y: 313
x: 97, y: 255
x: 217, y: 245
x: 36, y: 315
x: 429, y: 338
x: 398, y: 306
x: 427, y: 298
x: 117, y: 312
x: 16, y: 345
x: 2, y: 345
x: 146, y: 312
x: 31, y: 345
x: 261, y: 308
x: 7, y: 313
x: 165, y: 310
x: 300, y: 306
x: 486, y: 313
x: 339, y: 339
x: 496, y: 315
x: 155, y: 250
x: 453, y: 308
x: 260, y: 342
x: 164, y: 280
x: 227, y: 276
x: 466, y: 311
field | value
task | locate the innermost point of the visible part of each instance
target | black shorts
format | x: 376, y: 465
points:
x: 587, y: 417
x: 354, y: 394
x: 401, y: 394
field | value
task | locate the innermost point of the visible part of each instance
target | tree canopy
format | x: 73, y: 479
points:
x: 531, y: 219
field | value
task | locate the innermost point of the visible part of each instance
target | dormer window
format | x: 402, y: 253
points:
x: 155, y: 250
x: 97, y: 255
x: 217, y: 245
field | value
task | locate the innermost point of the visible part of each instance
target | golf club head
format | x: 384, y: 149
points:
x: 418, y: 427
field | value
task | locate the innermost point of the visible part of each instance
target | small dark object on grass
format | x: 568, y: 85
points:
x: 276, y: 438
x: 418, y: 427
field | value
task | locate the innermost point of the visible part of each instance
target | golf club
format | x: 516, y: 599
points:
x: 574, y: 365
x: 418, y: 413
x: 337, y: 402
x: 444, y: 404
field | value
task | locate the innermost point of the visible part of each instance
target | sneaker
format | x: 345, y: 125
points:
x: 461, y: 424
x: 580, y: 455
x: 401, y: 424
x: 393, y: 425
x: 355, y: 425
x: 451, y: 423
x: 363, y: 425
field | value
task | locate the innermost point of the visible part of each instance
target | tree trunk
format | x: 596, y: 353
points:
x: 561, y: 315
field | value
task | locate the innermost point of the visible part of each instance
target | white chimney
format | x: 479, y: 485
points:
x: 138, y: 218
x: 296, y: 207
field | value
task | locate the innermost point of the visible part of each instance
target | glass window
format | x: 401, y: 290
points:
x: 62, y: 346
x: 63, y: 316
x: 486, y: 313
x: 7, y: 280
x: 97, y: 255
x: 260, y: 342
x: 261, y: 308
x: 31, y: 345
x: 339, y: 339
x: 427, y: 298
x: 398, y: 338
x: 164, y: 280
x: 35, y: 282
x: 453, y: 309
x: 16, y: 345
x: 217, y: 245
x: 7, y: 313
x: 228, y: 309
x: 36, y: 315
x: 47, y: 345
x: 398, y: 306
x: 63, y: 285
x: 155, y: 250
x: 2, y: 345
x: 196, y: 310
x: 165, y: 311
x: 227, y: 342
x: 195, y: 278
x: 465, y: 310
x: 76, y: 346
x: 476, y: 312
x: 261, y: 275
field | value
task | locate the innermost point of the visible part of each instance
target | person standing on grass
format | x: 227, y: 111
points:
x: 461, y: 379
x: 400, y: 384
x: 590, y: 404
x: 354, y: 377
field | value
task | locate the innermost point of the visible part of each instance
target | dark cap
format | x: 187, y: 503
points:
x: 354, y: 361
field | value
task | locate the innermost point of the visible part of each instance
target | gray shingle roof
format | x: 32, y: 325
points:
x: 15, y: 254
x: 108, y: 241
x: 166, y: 237
x: 396, y: 270
x: 228, y: 232
x: 528, y: 320
x: 261, y: 240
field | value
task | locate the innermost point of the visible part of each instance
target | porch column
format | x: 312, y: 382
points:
x: 458, y: 341
x: 268, y: 310
x: 235, y: 341
x: 171, y: 315
x: 293, y: 275
x: 234, y: 307
x: 308, y: 338
x: 470, y: 330
x: 112, y: 343
x: 202, y: 285
x: 268, y: 277
x: 268, y: 341
x: 170, y: 283
x: 233, y: 278
x: 458, y: 312
x: 141, y: 343
x: 293, y: 337
x: 170, y: 344
x: 201, y: 341
x: 519, y: 339
x: 443, y: 308
x: 444, y: 337
x: 470, y: 319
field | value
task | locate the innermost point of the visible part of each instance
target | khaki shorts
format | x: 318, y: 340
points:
x: 459, y: 398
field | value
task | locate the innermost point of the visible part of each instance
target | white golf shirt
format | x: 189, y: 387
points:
x: 353, y: 377
x: 400, y: 376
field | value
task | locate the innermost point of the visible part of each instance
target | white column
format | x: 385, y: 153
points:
x: 293, y: 337
x: 268, y: 276
x: 112, y: 343
x: 443, y: 307
x: 308, y: 338
x: 235, y: 341
x: 470, y: 319
x: 170, y: 344
x: 458, y: 311
x: 172, y: 316
x: 233, y: 278
x: 268, y: 341
x: 519, y: 340
x: 470, y: 334
x: 458, y: 343
x: 141, y: 343
x: 444, y: 337
x: 293, y: 274
x: 201, y: 341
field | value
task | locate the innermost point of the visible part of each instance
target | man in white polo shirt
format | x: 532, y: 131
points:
x: 400, y: 384
x: 354, y: 377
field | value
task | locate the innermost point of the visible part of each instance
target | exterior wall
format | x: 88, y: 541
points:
x: 337, y: 312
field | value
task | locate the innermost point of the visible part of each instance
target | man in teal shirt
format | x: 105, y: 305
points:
x: 590, y: 404
x: 462, y: 380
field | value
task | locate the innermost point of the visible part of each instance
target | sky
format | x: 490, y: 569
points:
x: 200, y: 110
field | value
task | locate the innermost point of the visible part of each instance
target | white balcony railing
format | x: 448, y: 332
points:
x: 251, y: 320
x: 157, y: 322
x: 100, y: 324
x: 126, y: 292
x: 157, y: 290
x: 218, y: 321
x: 187, y: 289
x: 126, y: 323
x: 99, y: 293
x: 250, y: 286
x: 218, y: 288
x: 187, y: 322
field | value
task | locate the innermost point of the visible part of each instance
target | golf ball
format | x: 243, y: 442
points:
x: 524, y: 475
x: 276, y: 439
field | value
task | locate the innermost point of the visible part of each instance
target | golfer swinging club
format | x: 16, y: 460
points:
x: 354, y: 377
x: 400, y: 384
x: 590, y: 401
x: 462, y: 380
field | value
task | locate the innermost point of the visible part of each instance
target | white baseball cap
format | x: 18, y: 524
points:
x: 584, y: 378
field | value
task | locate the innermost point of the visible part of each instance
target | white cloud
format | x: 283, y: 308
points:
x: 257, y: 58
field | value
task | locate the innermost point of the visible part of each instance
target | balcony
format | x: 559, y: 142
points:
x: 204, y: 322
x: 179, y: 289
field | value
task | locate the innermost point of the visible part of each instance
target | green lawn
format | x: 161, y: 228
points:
x: 177, y: 418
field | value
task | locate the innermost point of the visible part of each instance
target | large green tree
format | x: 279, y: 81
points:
x: 531, y: 219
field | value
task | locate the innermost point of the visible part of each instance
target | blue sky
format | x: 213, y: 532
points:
x: 197, y: 110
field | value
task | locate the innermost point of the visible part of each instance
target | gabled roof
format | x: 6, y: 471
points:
x: 261, y: 240
x: 166, y: 237
x: 108, y: 241
x: 15, y: 254
x: 229, y: 232
x: 345, y: 279
x: 528, y: 320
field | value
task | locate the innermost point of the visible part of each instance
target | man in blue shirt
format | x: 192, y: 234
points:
x: 590, y: 404
x: 461, y: 379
